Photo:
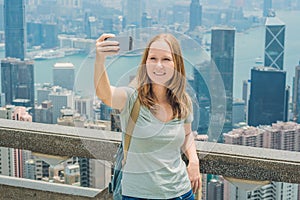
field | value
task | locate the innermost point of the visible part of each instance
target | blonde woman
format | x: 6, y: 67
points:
x: 154, y: 168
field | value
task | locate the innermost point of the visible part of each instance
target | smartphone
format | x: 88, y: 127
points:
x: 125, y: 42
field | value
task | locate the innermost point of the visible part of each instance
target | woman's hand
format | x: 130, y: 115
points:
x: 194, y: 175
x: 106, y: 48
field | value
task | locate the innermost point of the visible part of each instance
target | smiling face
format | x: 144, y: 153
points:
x: 160, y: 63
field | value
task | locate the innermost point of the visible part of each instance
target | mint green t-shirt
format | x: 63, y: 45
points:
x: 154, y: 168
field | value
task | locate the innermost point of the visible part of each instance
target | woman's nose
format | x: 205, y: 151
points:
x: 159, y: 64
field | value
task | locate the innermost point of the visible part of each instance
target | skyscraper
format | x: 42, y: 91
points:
x: 17, y: 81
x: 203, y: 96
x: 60, y: 98
x: 12, y: 161
x: 245, y: 92
x: 133, y: 12
x: 195, y: 14
x: 222, y: 54
x: 43, y: 93
x: 296, y: 95
x: 87, y: 25
x: 274, y: 43
x: 64, y: 75
x: 283, y: 136
x: 84, y: 106
x: 267, y: 96
x: 1, y: 15
x: 215, y: 190
x: 267, y: 7
x: 14, y: 26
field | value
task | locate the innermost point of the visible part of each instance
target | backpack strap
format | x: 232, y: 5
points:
x: 130, y: 127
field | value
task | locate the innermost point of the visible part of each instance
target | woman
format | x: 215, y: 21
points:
x: 154, y: 168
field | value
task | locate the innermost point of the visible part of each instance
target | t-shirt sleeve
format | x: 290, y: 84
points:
x: 129, y: 92
x: 125, y: 112
x: 189, y: 118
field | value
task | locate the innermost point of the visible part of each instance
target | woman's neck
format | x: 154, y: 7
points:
x: 160, y: 93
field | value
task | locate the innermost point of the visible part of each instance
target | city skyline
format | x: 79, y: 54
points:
x: 76, y: 24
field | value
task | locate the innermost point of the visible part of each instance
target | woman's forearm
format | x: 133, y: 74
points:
x: 189, y: 149
x: 101, y: 80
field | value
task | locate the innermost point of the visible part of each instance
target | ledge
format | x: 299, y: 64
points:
x: 249, y: 163
x: 233, y: 161
x: 59, y: 140
x: 19, y: 188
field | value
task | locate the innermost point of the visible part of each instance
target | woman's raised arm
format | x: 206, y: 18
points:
x: 113, y: 97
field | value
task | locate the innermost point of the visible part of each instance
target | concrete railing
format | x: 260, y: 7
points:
x: 233, y: 161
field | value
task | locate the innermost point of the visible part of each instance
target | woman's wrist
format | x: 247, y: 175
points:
x: 194, y: 161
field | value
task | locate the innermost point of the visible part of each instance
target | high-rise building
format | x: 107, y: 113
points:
x: 215, y: 190
x: 6, y: 161
x: 195, y: 14
x: 43, y: 93
x: 60, y: 99
x: 84, y: 106
x: 105, y: 112
x: 296, y: 95
x: 203, y: 96
x: 87, y: 26
x: 133, y: 12
x: 238, y: 111
x: 14, y: 26
x: 72, y: 174
x: 17, y: 81
x: 274, y: 43
x: 280, y: 135
x: 267, y: 96
x: 44, y: 113
x: 108, y: 25
x: 1, y: 15
x: 222, y: 54
x: 84, y: 166
x: 12, y: 161
x: 64, y: 75
x: 245, y: 91
x: 49, y: 37
x: 146, y: 20
x: 30, y: 169
x: 267, y: 6
x: 180, y: 10
x: 20, y: 114
x: 41, y: 169
x: 2, y: 100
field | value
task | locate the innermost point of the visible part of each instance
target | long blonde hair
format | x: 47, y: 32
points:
x: 176, y: 93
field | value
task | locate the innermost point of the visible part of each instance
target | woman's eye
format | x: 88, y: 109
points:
x: 152, y: 58
x: 167, y: 59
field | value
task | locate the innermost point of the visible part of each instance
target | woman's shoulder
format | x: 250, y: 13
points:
x: 130, y: 91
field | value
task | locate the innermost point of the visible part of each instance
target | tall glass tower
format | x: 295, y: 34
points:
x: 14, y: 26
x: 195, y: 14
x: 222, y: 54
x: 267, y: 7
x: 274, y: 43
x: 17, y: 82
x: 296, y: 95
x: 267, y: 102
x: 133, y: 12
